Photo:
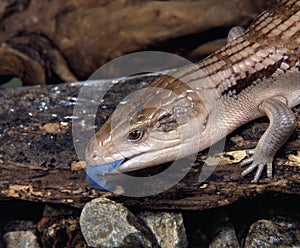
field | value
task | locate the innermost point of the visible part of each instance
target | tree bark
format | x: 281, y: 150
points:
x: 38, y: 161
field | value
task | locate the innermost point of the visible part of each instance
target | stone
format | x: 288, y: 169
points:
x: 168, y: 228
x: 224, y: 237
x: 20, y: 239
x: 276, y: 232
x: 105, y: 223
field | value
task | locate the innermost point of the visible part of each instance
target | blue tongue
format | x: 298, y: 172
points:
x: 95, y: 175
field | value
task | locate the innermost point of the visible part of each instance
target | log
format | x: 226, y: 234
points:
x: 38, y: 161
x: 55, y: 41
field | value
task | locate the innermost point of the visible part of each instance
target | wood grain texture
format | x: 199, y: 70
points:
x: 68, y: 40
x: 38, y: 161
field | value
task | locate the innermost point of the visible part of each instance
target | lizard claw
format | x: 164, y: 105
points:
x: 258, y: 162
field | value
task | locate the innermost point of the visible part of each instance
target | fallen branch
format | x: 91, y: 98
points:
x: 54, y: 41
x: 38, y: 161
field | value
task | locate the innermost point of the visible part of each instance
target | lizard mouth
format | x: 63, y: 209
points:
x: 95, y: 175
x: 99, y: 176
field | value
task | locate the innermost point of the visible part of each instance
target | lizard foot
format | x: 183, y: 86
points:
x: 259, y: 162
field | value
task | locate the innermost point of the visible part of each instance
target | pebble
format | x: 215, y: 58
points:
x: 20, y: 239
x: 168, y: 228
x: 224, y: 237
x: 276, y: 232
x: 105, y: 223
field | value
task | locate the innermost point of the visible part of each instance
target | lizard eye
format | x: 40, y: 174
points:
x: 135, y: 135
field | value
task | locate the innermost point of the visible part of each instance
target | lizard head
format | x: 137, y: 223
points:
x: 153, y: 126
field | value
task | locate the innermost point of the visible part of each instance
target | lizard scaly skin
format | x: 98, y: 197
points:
x: 254, y: 75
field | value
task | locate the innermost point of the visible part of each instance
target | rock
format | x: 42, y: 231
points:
x: 167, y: 227
x: 20, y: 239
x: 225, y: 236
x: 105, y: 223
x: 20, y: 233
x: 277, y: 232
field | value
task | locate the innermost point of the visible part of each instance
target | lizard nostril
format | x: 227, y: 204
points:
x: 92, y: 155
x: 95, y: 156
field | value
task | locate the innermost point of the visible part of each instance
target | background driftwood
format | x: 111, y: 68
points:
x: 52, y: 41
x: 38, y: 161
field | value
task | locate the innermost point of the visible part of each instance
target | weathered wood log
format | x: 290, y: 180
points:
x: 54, y: 41
x: 38, y: 161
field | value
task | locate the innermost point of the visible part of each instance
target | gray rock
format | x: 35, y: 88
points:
x: 277, y: 232
x: 105, y: 223
x: 20, y: 239
x: 168, y: 228
x: 225, y: 237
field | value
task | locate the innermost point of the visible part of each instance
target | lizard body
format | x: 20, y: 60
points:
x: 254, y: 75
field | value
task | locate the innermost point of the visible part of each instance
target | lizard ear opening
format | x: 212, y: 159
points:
x: 167, y: 123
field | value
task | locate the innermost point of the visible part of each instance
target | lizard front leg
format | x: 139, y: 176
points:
x: 282, y: 124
